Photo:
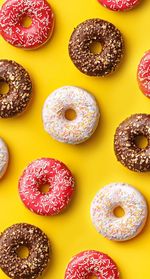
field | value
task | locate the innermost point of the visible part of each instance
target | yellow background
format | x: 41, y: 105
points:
x: 93, y: 163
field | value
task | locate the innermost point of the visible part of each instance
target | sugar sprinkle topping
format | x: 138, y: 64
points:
x: 85, y: 106
x: 133, y: 204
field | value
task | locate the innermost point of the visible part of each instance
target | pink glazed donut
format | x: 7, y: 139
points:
x: 11, y: 16
x: 119, y: 5
x: 91, y: 263
x: 46, y: 171
x: 143, y: 74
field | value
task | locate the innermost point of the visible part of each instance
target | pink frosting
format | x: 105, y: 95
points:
x: 11, y: 16
x: 119, y: 5
x: 46, y: 171
x: 90, y: 262
x: 143, y: 74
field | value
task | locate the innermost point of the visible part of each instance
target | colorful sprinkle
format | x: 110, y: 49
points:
x: 119, y: 195
x: 87, y: 115
x: 4, y: 158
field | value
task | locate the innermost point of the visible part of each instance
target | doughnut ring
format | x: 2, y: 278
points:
x: 87, y: 115
x: 20, y: 89
x: 82, y: 38
x: 121, y: 5
x: 35, y: 240
x: 119, y: 195
x: 4, y: 157
x: 46, y: 171
x: 91, y: 263
x: 143, y: 74
x: 38, y: 33
x: 126, y: 150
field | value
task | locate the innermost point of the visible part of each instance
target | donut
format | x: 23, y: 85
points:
x: 38, y: 33
x: 143, y: 74
x: 91, y: 263
x: 121, y: 5
x: 87, y: 115
x: 135, y: 211
x: 61, y: 186
x: 20, y: 89
x: 126, y: 149
x: 4, y: 157
x: 82, y: 38
x: 35, y: 240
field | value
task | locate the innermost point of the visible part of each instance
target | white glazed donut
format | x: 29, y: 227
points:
x: 119, y: 195
x: 87, y: 114
x: 4, y: 157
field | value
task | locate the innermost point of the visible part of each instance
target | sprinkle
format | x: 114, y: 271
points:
x: 61, y: 186
x: 143, y: 74
x: 119, y: 195
x: 91, y: 263
x: 41, y: 29
x: 119, y: 5
x: 4, y: 157
x: 87, y: 115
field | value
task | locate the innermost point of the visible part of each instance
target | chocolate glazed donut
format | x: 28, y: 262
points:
x: 20, y: 89
x: 35, y: 240
x: 126, y: 150
x: 96, y: 30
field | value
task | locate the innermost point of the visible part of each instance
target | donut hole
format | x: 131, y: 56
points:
x: 118, y: 212
x: 70, y: 114
x: 44, y: 189
x: 4, y: 87
x: 26, y: 21
x: 141, y: 141
x: 23, y: 252
x: 96, y: 47
x: 93, y: 277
